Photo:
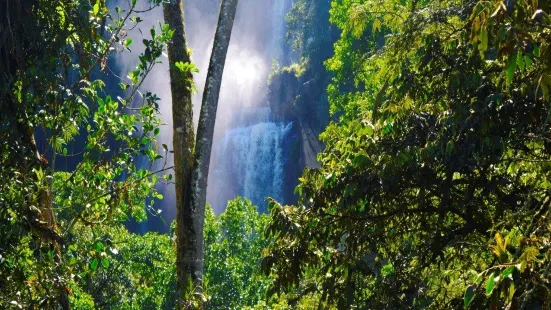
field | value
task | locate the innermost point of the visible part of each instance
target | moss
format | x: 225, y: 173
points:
x: 297, y: 68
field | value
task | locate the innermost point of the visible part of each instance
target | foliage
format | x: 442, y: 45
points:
x: 234, y: 242
x: 127, y: 271
x: 442, y: 143
x: 433, y: 191
x: 141, y: 268
x: 233, y: 247
x: 54, y: 108
x: 186, y: 69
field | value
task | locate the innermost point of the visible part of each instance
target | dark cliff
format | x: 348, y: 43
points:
x: 297, y: 92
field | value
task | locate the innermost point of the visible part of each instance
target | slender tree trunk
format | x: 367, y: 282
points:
x: 205, y: 130
x: 192, y: 168
x: 183, y: 144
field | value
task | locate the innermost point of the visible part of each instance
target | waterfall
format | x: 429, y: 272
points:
x: 249, y: 161
x: 249, y: 155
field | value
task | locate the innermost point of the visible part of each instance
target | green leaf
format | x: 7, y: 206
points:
x: 186, y: 67
x: 376, y: 27
x: 469, y: 295
x: 520, y: 61
x: 96, y: 8
x: 511, y: 68
x: 536, y: 51
x: 124, y: 86
x: 490, y: 284
x: 94, y: 264
x: 545, y: 86
x: 99, y: 246
x: 105, y: 263
x: 508, y: 271
x: 483, y: 46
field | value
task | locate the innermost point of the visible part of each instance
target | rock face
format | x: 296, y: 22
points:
x: 298, y: 92
x: 311, y: 146
x: 293, y: 163
x: 298, y: 101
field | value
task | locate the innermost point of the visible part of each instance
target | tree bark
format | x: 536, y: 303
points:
x: 183, y: 144
x: 192, y: 164
x: 207, y: 118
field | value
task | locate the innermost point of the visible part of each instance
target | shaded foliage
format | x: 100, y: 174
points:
x: 442, y: 144
x: 54, y: 67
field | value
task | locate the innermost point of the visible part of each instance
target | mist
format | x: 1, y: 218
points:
x: 257, y: 39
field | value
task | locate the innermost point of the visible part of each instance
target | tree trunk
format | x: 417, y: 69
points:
x: 191, y: 169
x: 207, y: 118
x: 183, y: 143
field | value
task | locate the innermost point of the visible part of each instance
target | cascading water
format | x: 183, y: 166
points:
x: 250, y: 160
x: 249, y: 148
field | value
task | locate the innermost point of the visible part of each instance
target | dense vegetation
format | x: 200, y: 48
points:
x: 142, y: 268
x: 433, y: 190
x: 55, y: 63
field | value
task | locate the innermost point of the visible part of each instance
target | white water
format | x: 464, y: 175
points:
x: 248, y: 157
x: 249, y: 162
